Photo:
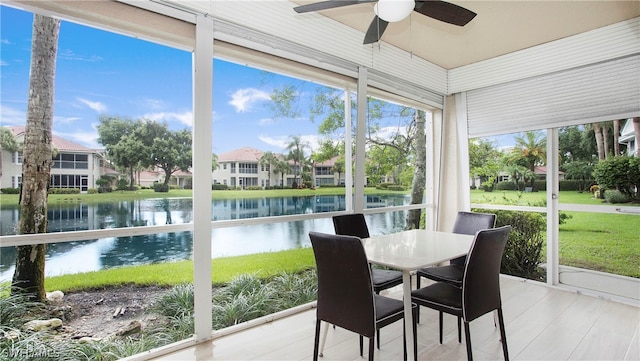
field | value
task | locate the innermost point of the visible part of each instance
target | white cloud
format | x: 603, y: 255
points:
x: 154, y: 104
x: 312, y: 141
x: 64, y: 120
x: 389, y: 133
x: 98, y: 107
x: 3, y: 63
x: 68, y: 54
x: 266, y: 122
x: 185, y: 118
x: 243, y: 99
x: 5, y: 42
x: 12, y: 116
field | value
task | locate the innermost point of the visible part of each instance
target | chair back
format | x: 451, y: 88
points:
x: 481, y: 280
x: 345, y: 292
x: 472, y: 222
x: 351, y: 225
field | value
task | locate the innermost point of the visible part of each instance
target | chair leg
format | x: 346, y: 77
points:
x: 440, y: 324
x: 459, y: 330
x: 415, y: 334
x: 378, y: 338
x: 316, y: 339
x: 370, y: 349
x: 467, y: 337
x: 324, y: 338
x: 361, y: 346
x: 503, y: 335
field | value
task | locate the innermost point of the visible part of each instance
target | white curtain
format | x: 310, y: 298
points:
x: 452, y: 188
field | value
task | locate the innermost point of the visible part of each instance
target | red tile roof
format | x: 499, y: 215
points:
x: 58, y: 142
x: 246, y: 154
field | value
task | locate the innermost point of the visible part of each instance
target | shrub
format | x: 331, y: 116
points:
x: 122, y: 184
x: 621, y: 173
x: 615, y: 196
x: 395, y: 187
x: 10, y: 190
x: 383, y: 185
x: 64, y: 191
x: 160, y: 187
x: 92, y: 190
x: 522, y: 254
x: 219, y: 187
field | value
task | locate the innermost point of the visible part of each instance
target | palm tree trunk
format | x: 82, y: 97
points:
x: 605, y: 140
x: 616, y: 137
x: 28, y: 277
x: 598, y: 133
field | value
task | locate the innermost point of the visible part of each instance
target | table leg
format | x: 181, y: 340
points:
x: 408, y: 314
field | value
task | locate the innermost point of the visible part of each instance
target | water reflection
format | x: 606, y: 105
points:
x: 91, y: 255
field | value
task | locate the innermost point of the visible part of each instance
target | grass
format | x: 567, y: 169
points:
x: 264, y: 265
x: 534, y: 198
x: 7, y: 200
x: 601, y: 242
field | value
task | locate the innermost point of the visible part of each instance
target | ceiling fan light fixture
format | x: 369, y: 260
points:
x: 393, y: 10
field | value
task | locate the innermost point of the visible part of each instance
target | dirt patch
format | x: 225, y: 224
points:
x: 104, y: 312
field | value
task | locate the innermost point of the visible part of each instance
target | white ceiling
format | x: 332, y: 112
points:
x: 501, y: 27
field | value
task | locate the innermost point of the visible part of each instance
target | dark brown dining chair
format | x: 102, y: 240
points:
x: 466, y: 223
x: 480, y: 291
x: 355, y: 225
x: 345, y: 292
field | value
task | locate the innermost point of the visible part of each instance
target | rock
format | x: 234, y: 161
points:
x: 55, y: 296
x: 43, y: 325
x: 88, y: 339
x: 133, y: 327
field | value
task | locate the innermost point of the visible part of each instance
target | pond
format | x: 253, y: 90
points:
x: 103, y: 253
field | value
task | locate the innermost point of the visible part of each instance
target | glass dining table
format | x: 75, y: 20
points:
x: 409, y: 251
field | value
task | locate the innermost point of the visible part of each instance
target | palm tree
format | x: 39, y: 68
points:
x: 271, y: 160
x: 296, y: 154
x: 597, y: 129
x: 530, y: 150
x: 28, y: 277
x: 7, y: 142
x: 282, y: 167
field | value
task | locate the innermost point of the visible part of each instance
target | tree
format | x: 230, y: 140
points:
x: 7, y: 142
x: 531, y: 149
x: 270, y: 160
x: 28, y: 277
x: 214, y: 162
x: 420, y: 171
x: 123, y: 142
x: 616, y: 137
x: 296, y: 149
x: 168, y: 150
x: 597, y: 129
x: 484, y: 161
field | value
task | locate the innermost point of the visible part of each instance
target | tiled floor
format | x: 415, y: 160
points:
x: 542, y: 323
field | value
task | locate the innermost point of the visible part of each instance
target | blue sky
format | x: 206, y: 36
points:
x: 100, y: 72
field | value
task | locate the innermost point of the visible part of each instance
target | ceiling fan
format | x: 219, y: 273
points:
x: 395, y: 10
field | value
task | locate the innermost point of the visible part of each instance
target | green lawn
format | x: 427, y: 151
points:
x: 534, y: 198
x: 12, y: 199
x: 264, y: 265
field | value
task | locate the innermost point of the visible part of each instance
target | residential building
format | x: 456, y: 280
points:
x: 74, y: 166
x: 628, y: 137
x: 241, y: 168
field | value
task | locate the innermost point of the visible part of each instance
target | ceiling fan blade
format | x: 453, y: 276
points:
x: 375, y: 31
x: 323, y: 5
x: 444, y: 11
